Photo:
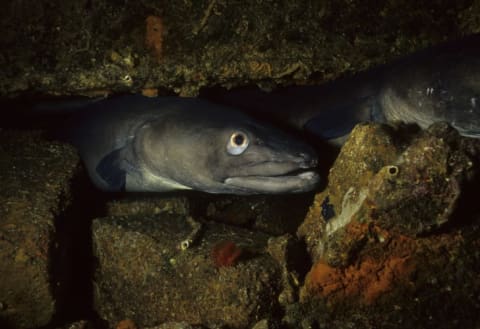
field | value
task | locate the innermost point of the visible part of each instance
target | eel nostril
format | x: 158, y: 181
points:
x: 309, y: 159
x: 312, y: 161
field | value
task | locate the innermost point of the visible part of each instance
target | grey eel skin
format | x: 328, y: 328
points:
x: 441, y: 83
x: 135, y: 143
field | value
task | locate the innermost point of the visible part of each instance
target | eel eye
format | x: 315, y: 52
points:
x: 237, y: 143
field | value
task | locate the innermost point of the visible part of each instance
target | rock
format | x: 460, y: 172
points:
x: 152, y: 204
x: 406, y: 185
x: 175, y: 325
x: 146, y: 273
x: 35, y: 193
x: 264, y: 324
x: 272, y: 214
x: 55, y: 48
x: 394, y: 237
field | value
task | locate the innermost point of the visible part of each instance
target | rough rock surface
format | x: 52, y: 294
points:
x: 405, y: 182
x: 398, y: 222
x: 272, y: 214
x: 146, y: 273
x: 74, y: 47
x: 35, y: 176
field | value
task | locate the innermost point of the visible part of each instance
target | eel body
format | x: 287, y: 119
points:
x: 135, y: 143
x: 437, y: 84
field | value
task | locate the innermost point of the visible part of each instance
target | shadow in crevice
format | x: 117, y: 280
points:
x: 72, y: 259
x: 467, y: 209
x: 270, y: 214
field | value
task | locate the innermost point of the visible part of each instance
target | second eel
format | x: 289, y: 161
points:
x: 441, y: 83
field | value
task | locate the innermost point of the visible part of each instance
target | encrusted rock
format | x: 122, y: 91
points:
x: 147, y: 274
x: 407, y: 186
x: 148, y: 205
x: 273, y: 214
x: 398, y: 222
x: 35, y: 180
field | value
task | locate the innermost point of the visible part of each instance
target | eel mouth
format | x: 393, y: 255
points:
x: 281, y: 174
x: 294, y: 182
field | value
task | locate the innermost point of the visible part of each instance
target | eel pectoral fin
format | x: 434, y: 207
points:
x: 329, y: 128
x: 332, y: 124
x: 111, y: 169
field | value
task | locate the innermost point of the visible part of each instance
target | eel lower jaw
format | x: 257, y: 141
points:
x: 289, y: 183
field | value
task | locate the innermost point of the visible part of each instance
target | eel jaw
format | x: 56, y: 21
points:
x: 295, y: 183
